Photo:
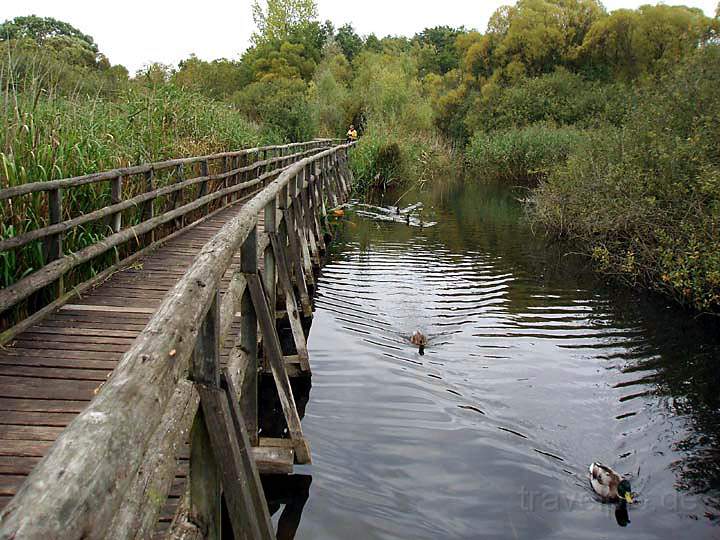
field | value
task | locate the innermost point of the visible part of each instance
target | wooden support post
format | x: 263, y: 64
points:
x: 250, y: 521
x: 308, y: 217
x: 178, y: 195
x: 235, y: 177
x: 204, y: 171
x: 269, y: 271
x: 296, y: 261
x: 148, y: 210
x: 115, y: 198
x: 249, y: 339
x: 205, y: 485
x: 55, y: 242
x: 116, y: 221
x: 316, y: 211
x: 226, y: 180
x: 271, y: 346
x: 299, y: 222
x: 248, y: 462
x: 291, y: 305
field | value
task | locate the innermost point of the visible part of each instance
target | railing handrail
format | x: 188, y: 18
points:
x: 82, y: 480
x: 50, y: 185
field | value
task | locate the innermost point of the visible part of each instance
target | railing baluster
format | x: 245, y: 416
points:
x: 55, y: 242
x: 148, y: 211
x: 205, y: 484
x: 248, y: 340
x: 269, y: 271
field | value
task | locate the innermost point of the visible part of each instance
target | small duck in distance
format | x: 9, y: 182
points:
x: 419, y: 339
x: 609, y: 484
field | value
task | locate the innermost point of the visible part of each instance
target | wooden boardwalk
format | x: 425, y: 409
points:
x: 52, y: 370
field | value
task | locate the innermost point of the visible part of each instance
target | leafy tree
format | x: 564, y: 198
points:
x: 439, y: 44
x: 61, y: 38
x: 281, y: 105
x: 630, y: 43
x: 372, y: 43
x: 281, y: 17
x: 218, y: 79
x: 350, y: 43
x: 536, y: 35
x: 41, y: 29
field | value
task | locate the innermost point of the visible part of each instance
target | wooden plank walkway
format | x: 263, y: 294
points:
x: 52, y: 371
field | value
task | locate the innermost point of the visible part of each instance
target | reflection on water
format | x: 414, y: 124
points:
x: 532, y: 371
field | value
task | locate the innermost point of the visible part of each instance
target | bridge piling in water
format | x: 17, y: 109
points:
x: 177, y: 335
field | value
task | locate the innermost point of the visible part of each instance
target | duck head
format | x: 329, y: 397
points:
x: 625, y: 491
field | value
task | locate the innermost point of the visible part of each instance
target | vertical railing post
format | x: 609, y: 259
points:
x: 205, y: 483
x: 204, y: 172
x: 269, y: 271
x: 248, y: 340
x: 55, y: 242
x: 149, y: 207
x: 115, y: 198
x: 225, y: 182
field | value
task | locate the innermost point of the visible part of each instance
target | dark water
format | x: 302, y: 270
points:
x: 534, y: 369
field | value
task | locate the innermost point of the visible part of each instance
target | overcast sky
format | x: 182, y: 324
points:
x: 134, y: 32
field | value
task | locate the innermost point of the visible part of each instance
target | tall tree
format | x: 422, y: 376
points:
x: 42, y: 28
x: 281, y: 17
x: 349, y: 41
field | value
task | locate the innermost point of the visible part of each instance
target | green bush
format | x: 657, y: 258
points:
x: 386, y: 156
x: 562, y: 98
x: 281, y: 105
x: 645, y: 200
x: 521, y: 155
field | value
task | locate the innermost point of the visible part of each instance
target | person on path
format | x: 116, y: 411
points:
x: 352, y: 134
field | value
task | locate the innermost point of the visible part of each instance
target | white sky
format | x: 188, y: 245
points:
x: 135, y: 32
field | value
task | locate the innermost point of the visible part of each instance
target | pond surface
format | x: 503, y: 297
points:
x: 534, y: 369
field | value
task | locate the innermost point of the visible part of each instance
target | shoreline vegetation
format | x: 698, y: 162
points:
x: 609, y: 118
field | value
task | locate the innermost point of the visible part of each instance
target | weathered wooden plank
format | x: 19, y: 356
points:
x: 144, y: 500
x: 249, y: 339
x: 35, y: 449
x: 17, y: 465
x: 247, y: 520
x: 274, y: 354
x: 43, y: 405
x: 247, y: 459
x: 29, y: 433
x: 288, y: 231
x: 31, y: 418
x: 290, y: 302
x: 42, y: 372
x: 9, y: 483
x: 20, y: 387
x: 274, y: 460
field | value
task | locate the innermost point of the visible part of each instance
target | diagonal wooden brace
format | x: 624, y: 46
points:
x: 273, y: 352
x: 243, y: 492
x: 290, y: 302
x: 296, y: 262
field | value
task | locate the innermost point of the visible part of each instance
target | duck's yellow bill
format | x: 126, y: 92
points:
x: 628, y: 498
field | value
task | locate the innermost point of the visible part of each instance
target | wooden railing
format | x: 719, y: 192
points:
x: 109, y: 472
x: 132, y: 226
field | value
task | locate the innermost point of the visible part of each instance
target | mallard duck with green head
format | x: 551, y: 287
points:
x: 609, y: 484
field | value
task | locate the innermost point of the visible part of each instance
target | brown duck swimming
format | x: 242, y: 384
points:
x: 419, y: 339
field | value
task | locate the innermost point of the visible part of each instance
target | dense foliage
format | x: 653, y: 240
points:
x: 609, y: 115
